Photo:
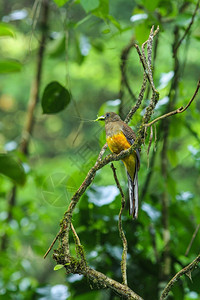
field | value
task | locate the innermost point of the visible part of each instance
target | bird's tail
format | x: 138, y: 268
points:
x: 133, y: 193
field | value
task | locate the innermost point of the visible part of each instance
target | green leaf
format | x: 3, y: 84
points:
x: 103, y: 9
x: 58, y: 267
x: 89, y: 5
x: 60, y: 2
x: 5, y: 30
x: 10, y: 66
x: 114, y: 22
x: 11, y: 168
x: 151, y: 5
x: 183, y: 19
x: 55, y: 98
x: 141, y: 32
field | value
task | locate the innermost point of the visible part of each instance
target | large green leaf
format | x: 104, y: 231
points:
x: 10, y: 66
x: 11, y: 168
x: 55, y: 98
x: 60, y: 2
x: 5, y: 30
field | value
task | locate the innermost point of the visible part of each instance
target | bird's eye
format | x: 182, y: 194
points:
x: 107, y: 115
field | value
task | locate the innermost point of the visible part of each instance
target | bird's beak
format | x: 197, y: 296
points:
x: 101, y: 118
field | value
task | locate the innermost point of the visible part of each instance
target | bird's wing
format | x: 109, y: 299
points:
x: 131, y: 136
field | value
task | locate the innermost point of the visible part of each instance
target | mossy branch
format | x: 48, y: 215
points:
x: 121, y: 232
x: 187, y: 270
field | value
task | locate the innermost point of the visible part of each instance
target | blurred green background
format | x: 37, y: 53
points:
x: 84, y: 42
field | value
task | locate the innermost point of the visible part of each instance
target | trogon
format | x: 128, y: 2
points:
x: 120, y: 136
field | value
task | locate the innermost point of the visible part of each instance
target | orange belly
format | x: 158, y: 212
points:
x: 118, y: 143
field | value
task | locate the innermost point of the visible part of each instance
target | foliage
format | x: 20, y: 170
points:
x: 11, y: 168
x: 55, y: 98
x: 82, y: 54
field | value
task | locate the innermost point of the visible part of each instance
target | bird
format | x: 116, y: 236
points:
x: 119, y: 137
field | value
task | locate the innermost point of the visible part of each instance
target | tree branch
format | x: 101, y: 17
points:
x: 52, y: 244
x: 187, y: 29
x: 192, y: 240
x: 124, y: 79
x: 122, y: 290
x: 79, y: 248
x: 121, y: 232
x: 34, y: 95
x: 187, y: 270
x: 146, y: 63
x: 139, y: 100
x: 178, y: 110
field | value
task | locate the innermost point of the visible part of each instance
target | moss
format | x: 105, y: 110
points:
x: 80, y: 253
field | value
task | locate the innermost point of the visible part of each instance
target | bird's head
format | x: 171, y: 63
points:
x: 109, y: 117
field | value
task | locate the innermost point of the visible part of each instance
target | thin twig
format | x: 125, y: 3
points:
x: 153, y: 238
x: 177, y: 111
x: 143, y: 60
x: 149, y: 55
x: 187, y: 29
x: 79, y: 248
x: 150, y: 142
x: 75, y: 235
x: 124, y: 80
x: 147, y: 65
x: 155, y: 138
x: 147, y: 68
x: 121, y: 232
x: 187, y: 270
x: 101, y: 153
x: 139, y: 100
x: 192, y: 240
x: 34, y: 95
x: 52, y: 244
